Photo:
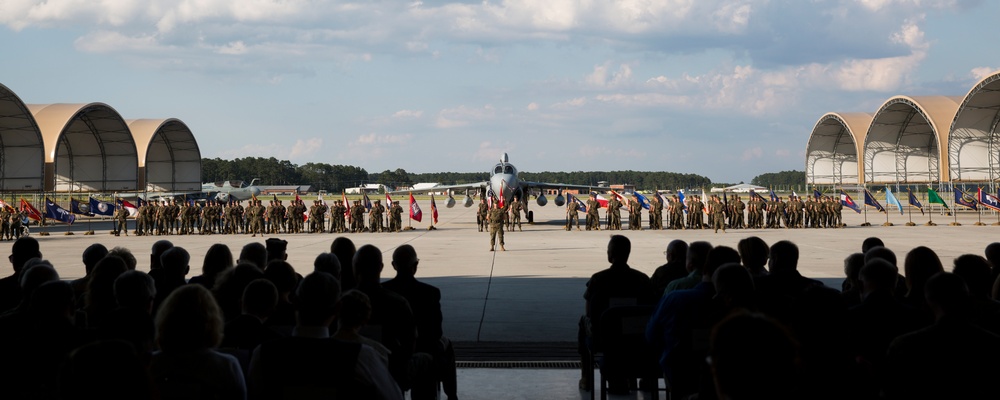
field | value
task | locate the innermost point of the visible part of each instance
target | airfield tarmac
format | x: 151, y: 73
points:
x: 533, y: 292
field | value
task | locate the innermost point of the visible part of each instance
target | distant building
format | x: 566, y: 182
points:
x: 368, y: 188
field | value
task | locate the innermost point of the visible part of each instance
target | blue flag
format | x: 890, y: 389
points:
x: 988, y: 200
x: 53, y: 211
x: 891, y: 200
x: 76, y: 207
x: 755, y: 195
x: 367, y: 202
x: 817, y: 194
x: 774, y: 197
x: 914, y: 202
x: 580, y: 205
x: 848, y: 202
x: 101, y: 207
x: 870, y: 201
x: 642, y: 200
x: 680, y: 195
x: 963, y: 199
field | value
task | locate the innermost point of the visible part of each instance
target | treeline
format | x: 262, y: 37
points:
x: 334, y: 178
x: 781, y: 179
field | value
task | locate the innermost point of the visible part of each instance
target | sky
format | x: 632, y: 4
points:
x: 724, y: 89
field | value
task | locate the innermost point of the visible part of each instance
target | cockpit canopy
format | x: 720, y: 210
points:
x: 504, y: 168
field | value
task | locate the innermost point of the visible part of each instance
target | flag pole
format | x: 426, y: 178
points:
x: 979, y: 212
x: 909, y: 209
x: 862, y: 196
x: 954, y: 205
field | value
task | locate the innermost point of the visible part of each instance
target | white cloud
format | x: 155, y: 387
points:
x: 305, y: 148
x: 408, y: 114
x: 463, y: 116
x: 533, y: 106
x: 979, y: 73
x: 233, y: 48
x: 603, y: 77
x: 782, y: 152
x: 752, y: 153
x: 571, y: 103
x: 373, y: 139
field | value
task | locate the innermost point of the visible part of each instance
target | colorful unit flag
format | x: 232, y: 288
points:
x: 848, y: 202
x: 365, y: 201
x: 963, y: 199
x: 76, y: 207
x: 602, y: 201
x: 891, y: 200
x: 347, y: 205
x: 870, y: 201
x: 988, y: 200
x: 816, y: 194
x: 774, y: 197
x: 101, y: 208
x: 415, y: 213
x: 580, y: 205
x: 642, y: 199
x: 500, y: 199
x: 755, y: 195
x: 914, y: 202
x: 53, y: 211
x: 680, y: 195
x: 934, y: 198
x: 434, y: 208
x: 132, y: 210
x: 32, y: 212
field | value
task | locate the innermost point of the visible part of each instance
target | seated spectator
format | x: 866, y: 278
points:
x: 753, y: 255
x: 753, y: 357
x: 284, y: 278
x: 126, y: 255
x: 870, y: 243
x: 175, y: 265
x: 276, y: 249
x: 253, y: 253
x: 921, y: 264
x: 100, y: 300
x: 329, y: 263
x: 851, y: 288
x: 983, y: 310
x: 23, y: 249
x: 695, y: 263
x: 425, y: 302
x: 888, y: 255
x: 676, y: 254
x: 391, y: 322
x: 617, y: 285
x: 218, y: 259
x: 91, y: 255
x: 107, y: 370
x: 310, y: 364
x: 344, y: 249
x: 247, y: 331
x: 132, y: 321
x: 951, y: 359
x: 355, y: 310
x: 156, y: 251
x: 229, y: 288
x: 188, y: 329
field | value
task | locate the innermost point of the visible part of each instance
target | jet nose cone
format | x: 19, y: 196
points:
x: 255, y: 190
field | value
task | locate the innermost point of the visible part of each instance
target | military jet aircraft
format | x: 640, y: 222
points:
x: 504, y: 182
x: 221, y: 191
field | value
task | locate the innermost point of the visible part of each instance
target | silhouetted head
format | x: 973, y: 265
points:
x: 882, y: 253
x: 157, y: 250
x: 329, y: 263
x: 878, y: 275
x: 677, y: 250
x: 355, y: 309
x: 189, y: 319
x: 282, y: 275
x: 753, y: 253
x: 975, y: 270
x: 135, y: 290
x: 254, y: 253
x: 946, y: 294
x: 784, y: 257
x: 718, y: 256
x: 260, y: 298
x: 218, y: 258
x: 91, y: 255
x: 871, y: 242
x: 733, y: 284
x: 317, y: 298
x: 368, y: 264
x: 696, y: 256
x: 23, y: 249
x: 276, y: 249
x: 921, y: 263
x: 404, y: 260
x: 753, y: 357
x: 619, y: 249
x: 126, y: 255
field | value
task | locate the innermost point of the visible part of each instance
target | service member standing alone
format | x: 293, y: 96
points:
x: 496, y: 218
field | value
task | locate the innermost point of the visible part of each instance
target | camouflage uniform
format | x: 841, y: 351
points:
x: 496, y: 218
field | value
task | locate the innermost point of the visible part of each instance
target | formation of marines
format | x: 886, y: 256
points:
x: 11, y: 223
x: 254, y: 218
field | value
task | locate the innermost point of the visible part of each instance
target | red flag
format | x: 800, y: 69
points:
x: 388, y: 200
x: 415, y: 212
x: 500, y: 204
x: 347, y: 205
x: 434, y: 209
x: 32, y: 211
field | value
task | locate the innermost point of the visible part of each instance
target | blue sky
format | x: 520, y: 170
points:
x: 726, y: 89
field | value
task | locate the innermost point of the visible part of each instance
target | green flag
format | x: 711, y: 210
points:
x: 932, y: 197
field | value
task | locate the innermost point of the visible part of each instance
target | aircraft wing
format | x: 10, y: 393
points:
x: 545, y: 185
x: 461, y: 186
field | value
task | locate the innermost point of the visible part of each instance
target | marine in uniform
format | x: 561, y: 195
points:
x: 593, y: 213
x: 496, y: 217
x: 572, y: 216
